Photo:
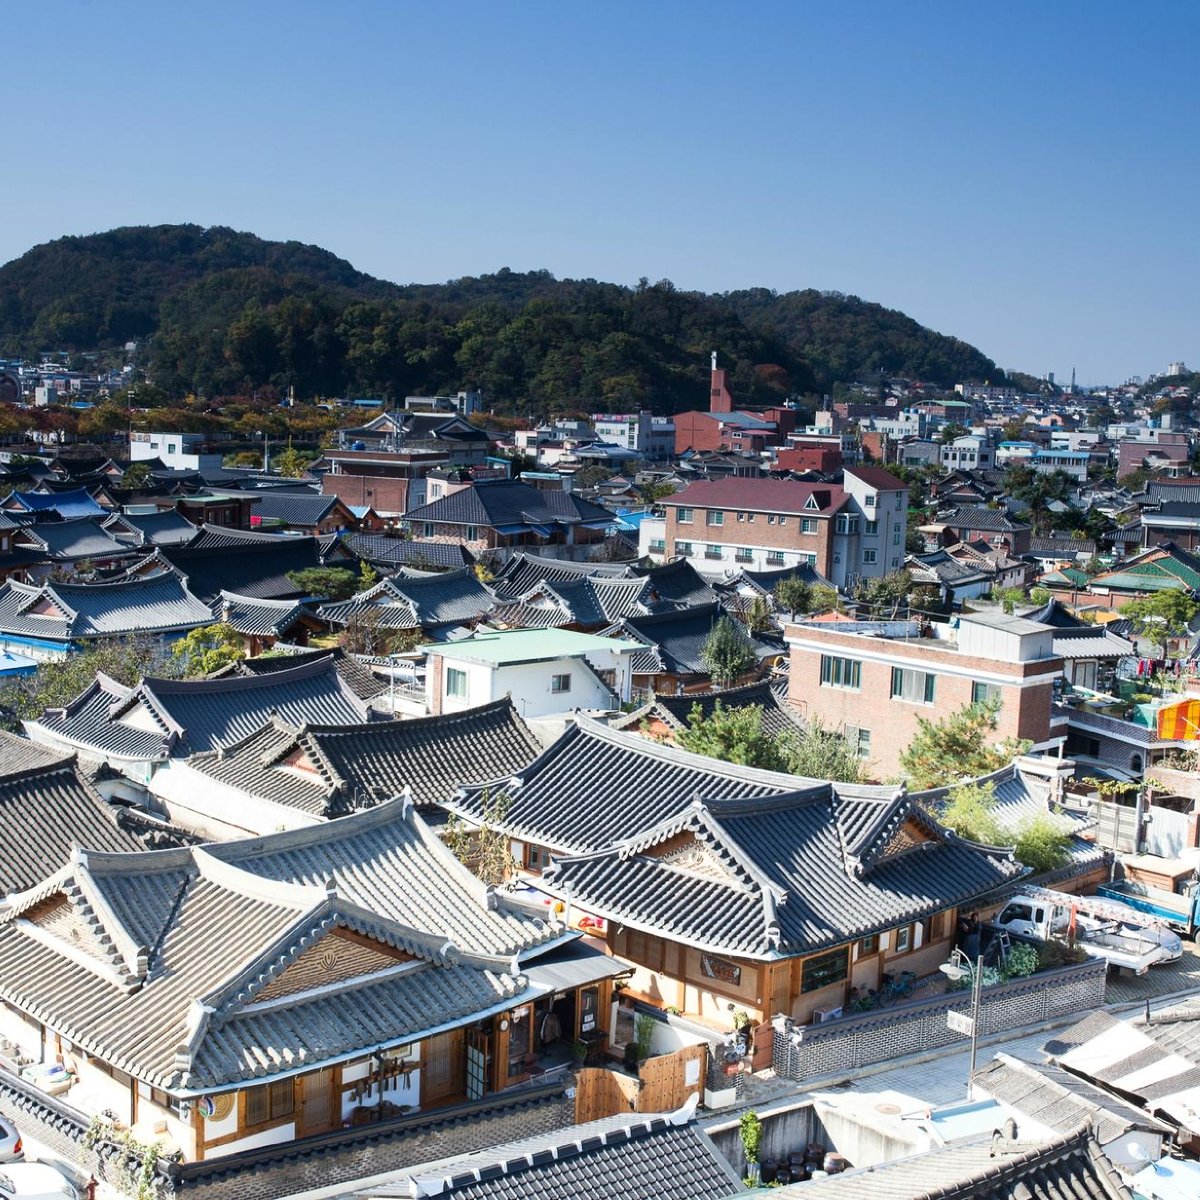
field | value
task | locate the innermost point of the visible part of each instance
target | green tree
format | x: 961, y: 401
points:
x: 733, y: 735
x: 368, y: 577
x: 819, y: 753
x: 290, y: 463
x: 943, y: 753
x: 1041, y: 844
x: 136, y: 476
x: 208, y: 649
x: 727, y: 653
x: 329, y: 583
x: 793, y: 594
x: 56, y: 684
x: 758, y: 615
x: 1008, y: 597
x: 1162, y: 616
x: 969, y: 812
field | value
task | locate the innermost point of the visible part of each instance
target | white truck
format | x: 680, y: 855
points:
x: 1106, y: 929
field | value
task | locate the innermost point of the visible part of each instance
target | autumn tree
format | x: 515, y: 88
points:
x: 208, y: 649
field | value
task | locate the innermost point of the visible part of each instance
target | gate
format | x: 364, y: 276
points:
x: 1117, y: 826
x: 664, y: 1083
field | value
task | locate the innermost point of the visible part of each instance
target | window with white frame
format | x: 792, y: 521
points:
x: 683, y: 548
x: 711, y: 551
x: 870, y: 501
x: 683, y: 516
x: 715, y: 517
x: 914, y: 687
x: 860, y: 739
x: 841, y: 672
x: 870, y: 557
x: 871, y: 528
x: 808, y: 525
x: 985, y: 693
x: 456, y: 683
x: 560, y: 683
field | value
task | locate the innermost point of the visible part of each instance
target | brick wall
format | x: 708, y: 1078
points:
x: 751, y: 532
x: 1024, y: 713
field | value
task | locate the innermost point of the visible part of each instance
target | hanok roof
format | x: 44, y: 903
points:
x: 761, y: 495
x: 166, y: 528
x: 778, y: 716
x: 170, y: 716
x: 680, y: 583
x: 391, y: 552
x: 595, y: 785
x: 511, y: 507
x: 75, y: 503
x: 249, y: 564
x: 47, y: 809
x: 65, y: 611
x: 1066, y: 1168
x: 72, y: 541
x: 991, y: 520
x: 261, y: 618
x: 587, y: 601
x: 788, y: 874
x: 331, y: 769
x: 356, y: 675
x: 304, y: 511
x: 626, y: 1157
x: 523, y: 572
x: 131, y: 956
x: 425, y: 602
x: 1059, y: 1100
x: 675, y: 639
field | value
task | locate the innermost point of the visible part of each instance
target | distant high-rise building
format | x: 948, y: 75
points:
x: 1176, y: 368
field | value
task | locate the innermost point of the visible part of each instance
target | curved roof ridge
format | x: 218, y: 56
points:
x: 255, y: 602
x: 238, y: 683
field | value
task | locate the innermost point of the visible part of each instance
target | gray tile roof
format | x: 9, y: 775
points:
x: 47, y: 808
x: 259, y: 618
x: 596, y: 785
x: 511, y: 506
x: 1059, y: 1100
x: 678, y: 637
x: 386, y: 859
x: 425, y: 602
x: 993, y: 520
x: 73, y: 541
x: 150, y: 604
x: 249, y: 564
x: 680, y: 583
x: 522, y: 572
x: 304, y: 511
x: 1066, y: 1168
x: 782, y: 874
x: 778, y: 716
x: 201, y: 714
x: 627, y: 1157
x: 192, y: 715
x: 356, y: 675
x: 349, y: 765
x: 389, y: 552
x: 167, y: 528
x: 172, y: 998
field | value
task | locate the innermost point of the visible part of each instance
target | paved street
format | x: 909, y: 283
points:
x: 1181, y: 976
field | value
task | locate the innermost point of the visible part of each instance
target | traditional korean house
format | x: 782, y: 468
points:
x: 664, y: 716
x: 285, y: 776
x: 135, y: 730
x: 262, y: 623
x: 258, y: 992
x: 52, y: 619
x: 729, y: 885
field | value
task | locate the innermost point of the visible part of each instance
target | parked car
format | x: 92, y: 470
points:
x: 35, y: 1181
x: 11, y: 1149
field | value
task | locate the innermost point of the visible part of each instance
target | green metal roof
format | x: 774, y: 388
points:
x: 526, y: 645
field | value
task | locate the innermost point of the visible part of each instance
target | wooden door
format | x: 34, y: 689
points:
x: 478, y: 1063
x: 316, y: 1103
x: 442, y: 1067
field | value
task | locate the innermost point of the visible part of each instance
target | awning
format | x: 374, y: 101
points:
x: 574, y: 966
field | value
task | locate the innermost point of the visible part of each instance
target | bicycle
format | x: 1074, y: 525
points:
x: 896, y: 987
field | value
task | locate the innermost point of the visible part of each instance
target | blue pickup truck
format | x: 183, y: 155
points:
x: 1182, y: 911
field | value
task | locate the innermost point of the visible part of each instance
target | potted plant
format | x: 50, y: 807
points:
x: 579, y: 1053
x: 741, y: 1030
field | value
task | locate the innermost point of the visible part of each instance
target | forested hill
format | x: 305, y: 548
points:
x: 224, y: 312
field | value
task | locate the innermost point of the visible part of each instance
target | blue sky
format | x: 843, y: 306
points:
x: 1021, y: 175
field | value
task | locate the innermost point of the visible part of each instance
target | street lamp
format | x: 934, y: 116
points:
x: 266, y: 452
x: 957, y: 969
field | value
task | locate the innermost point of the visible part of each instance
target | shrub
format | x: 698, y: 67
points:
x: 1022, y: 961
x: 1042, y: 845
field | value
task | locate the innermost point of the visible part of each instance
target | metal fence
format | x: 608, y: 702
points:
x: 814, y: 1051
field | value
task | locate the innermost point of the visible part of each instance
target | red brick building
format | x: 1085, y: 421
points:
x: 875, y: 680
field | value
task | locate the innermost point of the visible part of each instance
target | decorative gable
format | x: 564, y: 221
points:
x: 68, y: 921
x: 687, y: 852
x: 299, y: 759
x: 45, y: 607
x: 338, y: 956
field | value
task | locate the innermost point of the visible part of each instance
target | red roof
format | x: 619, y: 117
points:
x: 760, y: 495
x: 878, y: 478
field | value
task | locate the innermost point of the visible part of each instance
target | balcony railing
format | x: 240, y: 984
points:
x: 1127, y: 731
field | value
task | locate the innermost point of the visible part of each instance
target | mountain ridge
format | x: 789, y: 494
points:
x: 224, y: 311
